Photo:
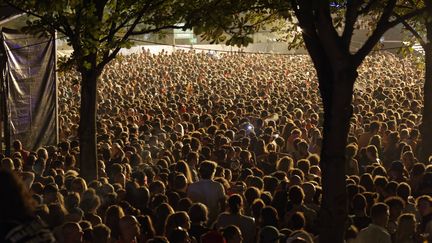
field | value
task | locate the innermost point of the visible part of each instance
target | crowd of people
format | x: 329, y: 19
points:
x: 222, y: 148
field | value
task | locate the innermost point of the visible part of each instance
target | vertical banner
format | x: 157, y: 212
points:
x: 31, y: 89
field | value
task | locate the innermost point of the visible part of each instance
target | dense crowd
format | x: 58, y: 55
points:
x: 198, y: 147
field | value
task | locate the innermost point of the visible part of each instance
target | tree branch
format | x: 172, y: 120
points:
x: 382, y: 26
x: 261, y: 21
x: 109, y: 57
x: 407, y: 16
x: 114, y: 29
x: 305, y: 16
x: 156, y: 29
x: 351, y: 15
x: 35, y: 15
x: 411, y: 29
x: 100, y: 8
x: 327, y: 32
x: 368, y: 7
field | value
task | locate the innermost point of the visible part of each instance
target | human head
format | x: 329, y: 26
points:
x: 179, y: 235
x: 269, y: 234
x: 235, y: 203
x: 374, y: 127
x: 177, y: 219
x: 351, y: 150
x: 129, y: 228
x: 42, y: 154
x: 296, y: 195
x: 403, y: 191
x: 298, y: 221
x: 207, y: 169
x: 90, y: 202
x: 72, y: 232
x: 79, y: 185
x: 112, y: 217
x: 101, y: 233
x: 198, y: 213
x: 406, y: 226
x: 424, y: 205
x: 7, y: 164
x: 269, y: 216
x: 16, y: 202
x: 17, y: 145
x: 396, y: 206
x: 359, y: 203
x: 380, y: 214
x: 232, y: 234
x: 50, y: 194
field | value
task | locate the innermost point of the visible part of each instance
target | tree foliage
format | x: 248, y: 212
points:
x: 415, y: 27
x: 100, y: 27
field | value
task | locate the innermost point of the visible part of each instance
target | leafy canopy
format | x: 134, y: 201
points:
x: 101, y: 28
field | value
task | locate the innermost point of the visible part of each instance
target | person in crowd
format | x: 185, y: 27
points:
x: 232, y: 234
x: 376, y: 231
x: 18, y: 220
x: 359, y: 217
x: 101, y: 233
x: 176, y: 220
x: 235, y: 216
x: 112, y: 219
x: 374, y: 128
x: 208, y: 191
x: 424, y: 205
x: 270, y: 234
x: 179, y: 235
x: 129, y: 229
x: 406, y: 229
x: 72, y: 233
x: 199, y: 216
x: 396, y: 207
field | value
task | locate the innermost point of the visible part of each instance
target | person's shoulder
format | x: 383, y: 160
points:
x: 34, y: 230
x: 193, y: 186
x: 194, y: 183
x: 429, y: 225
x: 366, y: 229
x: 249, y: 219
x: 222, y: 217
x: 214, y: 183
x: 378, y: 230
x: 307, y: 209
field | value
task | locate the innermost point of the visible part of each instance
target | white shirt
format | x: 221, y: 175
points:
x: 373, y: 234
x: 208, y: 192
x: 245, y: 223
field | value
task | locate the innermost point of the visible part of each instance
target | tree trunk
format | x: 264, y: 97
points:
x: 336, y: 81
x: 87, y: 126
x: 426, y: 126
x: 336, y: 93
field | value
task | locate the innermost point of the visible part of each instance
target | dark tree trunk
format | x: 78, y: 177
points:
x: 336, y: 93
x: 336, y: 81
x: 87, y: 126
x: 336, y: 68
x: 426, y: 126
